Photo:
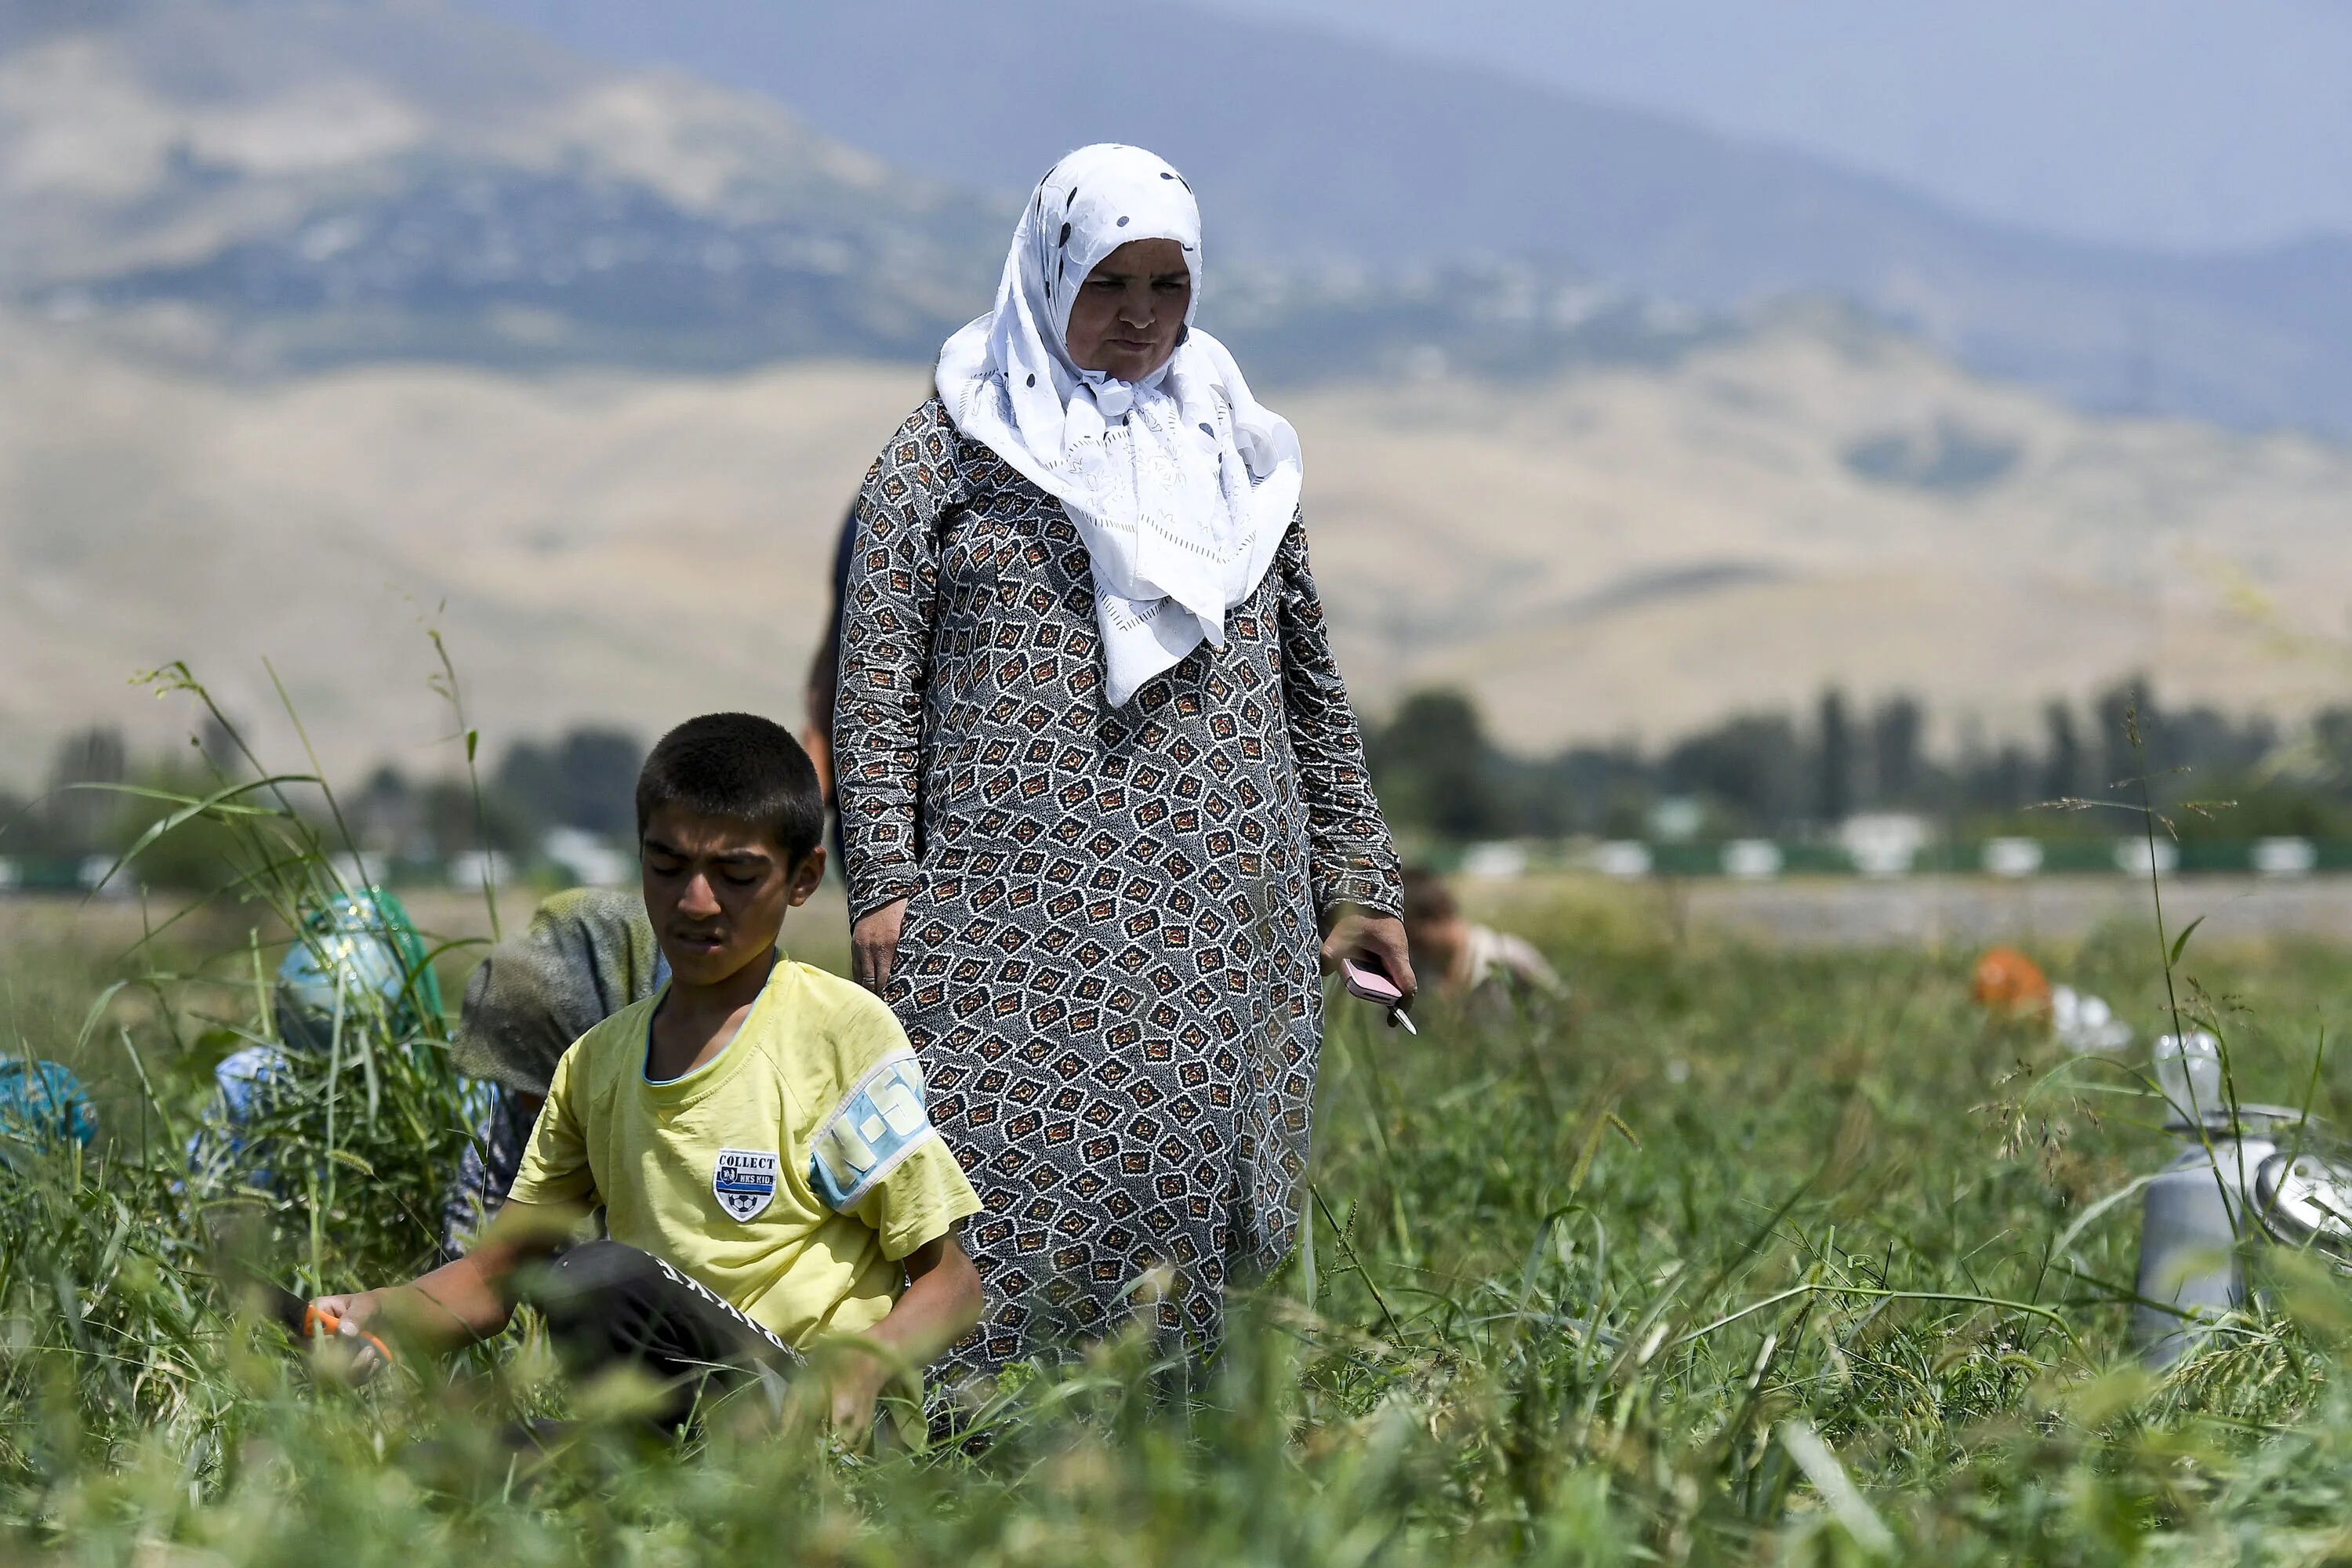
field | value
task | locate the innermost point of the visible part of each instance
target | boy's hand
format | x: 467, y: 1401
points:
x: 874, y: 943
x: 855, y: 1387
x: 457, y: 1304
x: 355, y: 1349
x: 939, y: 1306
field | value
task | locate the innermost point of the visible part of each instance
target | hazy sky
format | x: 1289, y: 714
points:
x: 2194, y: 123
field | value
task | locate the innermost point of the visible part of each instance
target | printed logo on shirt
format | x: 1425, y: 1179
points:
x: 744, y: 1181
x: 876, y: 1125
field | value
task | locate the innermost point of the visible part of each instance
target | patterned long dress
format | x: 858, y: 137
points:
x: 1108, y: 962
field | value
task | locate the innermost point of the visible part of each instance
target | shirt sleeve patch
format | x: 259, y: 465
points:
x: 877, y: 1124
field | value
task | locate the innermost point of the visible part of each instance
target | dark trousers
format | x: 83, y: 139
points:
x: 608, y: 1305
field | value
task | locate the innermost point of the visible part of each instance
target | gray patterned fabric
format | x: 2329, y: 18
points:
x: 1108, y: 962
x: 586, y: 954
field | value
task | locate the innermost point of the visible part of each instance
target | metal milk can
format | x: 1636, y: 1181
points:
x: 2196, y: 1214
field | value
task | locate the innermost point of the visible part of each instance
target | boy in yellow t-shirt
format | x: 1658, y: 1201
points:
x: 755, y: 1133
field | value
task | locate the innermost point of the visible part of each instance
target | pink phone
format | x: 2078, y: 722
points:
x: 1364, y: 977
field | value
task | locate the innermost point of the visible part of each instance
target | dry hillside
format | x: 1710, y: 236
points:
x: 1627, y: 551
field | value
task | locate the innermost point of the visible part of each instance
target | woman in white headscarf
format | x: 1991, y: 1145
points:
x: 1104, y: 802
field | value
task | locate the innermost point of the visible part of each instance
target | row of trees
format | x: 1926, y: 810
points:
x: 584, y: 779
x: 1440, y: 773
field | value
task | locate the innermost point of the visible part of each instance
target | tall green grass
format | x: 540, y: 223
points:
x: 1742, y: 1257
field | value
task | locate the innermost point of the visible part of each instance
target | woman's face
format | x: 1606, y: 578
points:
x: 1125, y: 319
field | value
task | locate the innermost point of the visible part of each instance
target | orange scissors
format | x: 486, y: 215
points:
x: 309, y: 1320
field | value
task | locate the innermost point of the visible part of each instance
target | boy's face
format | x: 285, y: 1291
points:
x: 716, y: 891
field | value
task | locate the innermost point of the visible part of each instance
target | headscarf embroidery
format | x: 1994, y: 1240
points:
x: 1182, y: 510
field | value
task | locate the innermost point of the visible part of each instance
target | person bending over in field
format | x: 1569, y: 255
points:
x: 1470, y: 963
x: 755, y: 1133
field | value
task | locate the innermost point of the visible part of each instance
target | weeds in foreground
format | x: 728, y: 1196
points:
x: 1717, y: 1266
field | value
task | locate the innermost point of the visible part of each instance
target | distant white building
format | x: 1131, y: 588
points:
x: 2012, y: 856
x: 472, y: 868
x: 1627, y: 859
x: 1676, y: 818
x: 2285, y: 857
x: 2139, y: 856
x: 1751, y: 859
x: 588, y: 860
x: 1883, y: 843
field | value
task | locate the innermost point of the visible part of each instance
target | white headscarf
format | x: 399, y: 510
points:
x: 1180, y: 519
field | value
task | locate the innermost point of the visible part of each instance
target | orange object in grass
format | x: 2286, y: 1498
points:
x: 2010, y: 983
x: 319, y: 1323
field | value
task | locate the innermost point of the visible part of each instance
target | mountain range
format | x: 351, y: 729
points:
x: 1326, y: 151
x: 262, y: 185
x: 2175, y: 123
x: 270, y: 186
x: 322, y: 321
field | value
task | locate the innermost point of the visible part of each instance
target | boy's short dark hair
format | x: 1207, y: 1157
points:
x: 740, y: 767
x: 1427, y: 899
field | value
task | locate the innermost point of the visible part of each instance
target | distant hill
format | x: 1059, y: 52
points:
x: 261, y: 185
x: 255, y: 186
x: 1313, y: 150
x: 1623, y: 550
x: 324, y: 320
x: 270, y: 181
x: 2176, y: 123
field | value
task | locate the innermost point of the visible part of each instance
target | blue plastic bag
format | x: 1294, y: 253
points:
x: 43, y: 1103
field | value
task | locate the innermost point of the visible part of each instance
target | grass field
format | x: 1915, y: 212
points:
x: 1744, y: 1256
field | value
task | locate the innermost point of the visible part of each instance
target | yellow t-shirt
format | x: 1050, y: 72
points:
x: 789, y: 1173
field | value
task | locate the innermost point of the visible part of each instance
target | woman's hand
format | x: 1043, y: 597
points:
x: 1353, y: 932
x: 874, y: 943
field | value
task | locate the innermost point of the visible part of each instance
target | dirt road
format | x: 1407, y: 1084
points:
x: 1970, y: 911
